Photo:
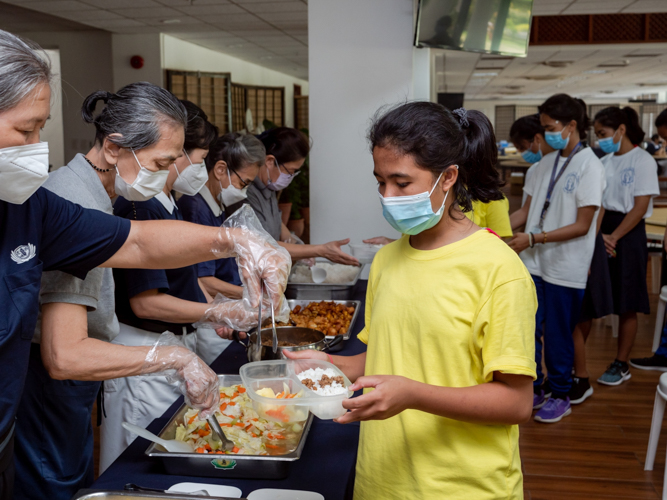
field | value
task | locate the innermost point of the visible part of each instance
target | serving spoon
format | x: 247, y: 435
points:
x: 171, y: 445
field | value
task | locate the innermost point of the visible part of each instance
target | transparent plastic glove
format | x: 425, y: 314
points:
x: 259, y: 259
x: 236, y: 314
x: 182, y: 367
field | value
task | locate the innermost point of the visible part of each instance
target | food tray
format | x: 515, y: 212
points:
x: 322, y: 291
x: 131, y: 495
x: 275, y: 374
x: 224, y: 466
x: 347, y: 303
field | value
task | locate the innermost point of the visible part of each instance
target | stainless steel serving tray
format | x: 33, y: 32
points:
x: 347, y: 303
x: 131, y: 495
x: 229, y: 466
x: 322, y: 291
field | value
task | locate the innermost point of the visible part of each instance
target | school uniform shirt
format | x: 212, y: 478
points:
x: 203, y: 209
x: 529, y: 174
x: 564, y: 263
x: 46, y: 233
x: 448, y: 317
x: 633, y: 174
x: 495, y: 215
x: 265, y: 204
x: 181, y: 283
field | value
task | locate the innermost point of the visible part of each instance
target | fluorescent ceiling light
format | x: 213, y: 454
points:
x: 595, y: 71
x: 170, y: 21
x: 491, y: 73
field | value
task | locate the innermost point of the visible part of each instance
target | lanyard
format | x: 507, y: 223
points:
x: 554, y: 179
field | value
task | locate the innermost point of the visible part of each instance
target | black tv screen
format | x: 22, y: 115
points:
x: 488, y: 26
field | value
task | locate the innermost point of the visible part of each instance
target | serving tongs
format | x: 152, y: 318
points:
x: 227, y: 444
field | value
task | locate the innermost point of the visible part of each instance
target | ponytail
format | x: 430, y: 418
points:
x: 564, y: 108
x: 90, y: 103
x: 436, y: 139
x: 613, y: 117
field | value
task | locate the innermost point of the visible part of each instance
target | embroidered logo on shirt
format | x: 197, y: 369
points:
x: 24, y: 253
x: 628, y: 176
x: 571, y: 183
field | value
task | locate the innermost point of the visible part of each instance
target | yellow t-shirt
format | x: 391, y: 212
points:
x: 495, y: 215
x: 447, y: 317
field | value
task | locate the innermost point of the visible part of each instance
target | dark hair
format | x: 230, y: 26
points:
x: 564, y: 108
x: 135, y: 112
x: 436, y: 139
x: 526, y: 128
x: 236, y: 151
x: 614, y: 117
x: 286, y: 144
x: 655, y: 137
x: 199, y: 132
x: 661, y: 120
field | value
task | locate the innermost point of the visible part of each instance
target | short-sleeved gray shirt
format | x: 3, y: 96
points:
x: 265, y: 204
x: 79, y: 183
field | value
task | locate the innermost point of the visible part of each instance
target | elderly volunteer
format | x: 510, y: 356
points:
x: 40, y: 231
x: 286, y: 151
x: 149, y: 302
x: 233, y: 161
x: 49, y: 462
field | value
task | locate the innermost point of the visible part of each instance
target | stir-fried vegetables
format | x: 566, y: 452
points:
x: 251, y: 434
x: 281, y: 413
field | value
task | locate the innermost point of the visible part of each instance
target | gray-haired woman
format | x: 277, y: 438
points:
x: 39, y: 231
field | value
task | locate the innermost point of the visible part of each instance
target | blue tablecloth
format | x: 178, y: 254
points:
x: 326, y: 465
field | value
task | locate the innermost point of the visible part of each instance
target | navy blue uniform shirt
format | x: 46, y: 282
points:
x: 203, y: 209
x: 181, y: 283
x: 46, y: 233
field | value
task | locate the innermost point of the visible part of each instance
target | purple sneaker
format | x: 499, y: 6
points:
x: 539, y: 399
x: 554, y: 411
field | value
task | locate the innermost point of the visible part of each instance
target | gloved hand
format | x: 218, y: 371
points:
x: 196, y: 381
x: 235, y: 314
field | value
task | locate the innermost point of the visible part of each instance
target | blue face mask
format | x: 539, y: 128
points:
x: 555, y: 139
x: 531, y: 157
x: 412, y: 214
x: 608, y: 145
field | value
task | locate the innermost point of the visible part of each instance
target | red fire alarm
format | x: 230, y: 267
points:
x: 137, y: 62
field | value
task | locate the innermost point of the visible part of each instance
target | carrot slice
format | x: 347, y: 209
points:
x: 200, y: 450
x: 235, y: 449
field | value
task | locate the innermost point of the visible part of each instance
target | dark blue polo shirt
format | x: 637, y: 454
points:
x: 196, y: 209
x: 182, y: 283
x: 46, y: 233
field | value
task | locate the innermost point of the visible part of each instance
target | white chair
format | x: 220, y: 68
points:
x: 612, y: 320
x: 659, y: 318
x: 656, y: 271
x: 656, y: 424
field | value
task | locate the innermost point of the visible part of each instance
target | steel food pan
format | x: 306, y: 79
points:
x: 322, y: 291
x: 132, y: 495
x: 347, y: 303
x: 221, y: 466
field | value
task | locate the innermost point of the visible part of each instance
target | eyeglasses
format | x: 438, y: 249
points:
x: 292, y: 173
x: 244, y: 184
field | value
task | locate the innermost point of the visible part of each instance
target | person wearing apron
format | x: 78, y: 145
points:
x: 564, y: 195
x: 233, y: 162
x: 150, y: 302
x: 632, y: 182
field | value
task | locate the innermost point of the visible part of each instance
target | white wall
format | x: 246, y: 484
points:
x: 147, y: 46
x: 85, y: 61
x: 181, y: 55
x: 53, y: 131
x: 360, y: 58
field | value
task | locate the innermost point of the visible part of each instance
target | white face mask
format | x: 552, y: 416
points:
x: 145, y: 186
x: 230, y: 195
x: 23, y: 169
x: 192, y: 179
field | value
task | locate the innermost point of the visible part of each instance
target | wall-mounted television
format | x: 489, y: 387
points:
x: 488, y: 26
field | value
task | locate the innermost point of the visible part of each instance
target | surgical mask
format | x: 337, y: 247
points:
x: 230, y: 195
x: 192, y: 179
x: 23, y: 169
x: 608, y: 145
x: 531, y: 157
x: 282, y: 182
x: 145, y: 186
x: 555, y: 139
x: 412, y: 214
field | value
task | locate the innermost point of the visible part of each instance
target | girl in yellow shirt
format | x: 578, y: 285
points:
x: 450, y: 320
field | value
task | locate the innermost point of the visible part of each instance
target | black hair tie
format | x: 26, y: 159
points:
x: 462, y: 113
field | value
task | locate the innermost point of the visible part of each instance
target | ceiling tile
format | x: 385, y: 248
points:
x: 149, y: 12
x: 647, y: 6
x: 121, y: 4
x: 112, y: 24
x: 290, y: 6
x: 296, y: 17
x: 180, y: 3
x: 57, y: 6
x: 93, y: 15
x: 207, y: 10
